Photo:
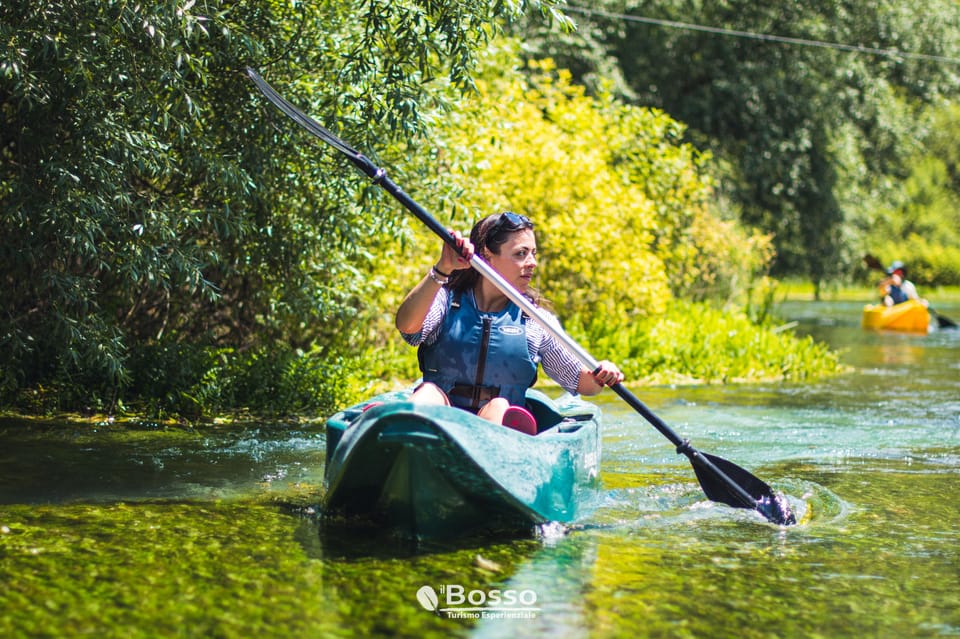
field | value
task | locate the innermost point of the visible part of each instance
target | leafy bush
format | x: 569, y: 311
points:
x: 623, y: 208
x: 697, y: 343
x: 172, y: 379
x: 922, y: 227
x: 148, y: 197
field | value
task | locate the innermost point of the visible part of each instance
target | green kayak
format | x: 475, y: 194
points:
x: 435, y: 471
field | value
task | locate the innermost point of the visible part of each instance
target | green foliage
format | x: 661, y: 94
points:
x: 697, y: 343
x: 147, y: 195
x: 632, y: 208
x: 809, y: 138
x: 176, y: 381
x: 625, y: 227
x: 171, y: 241
x: 922, y: 225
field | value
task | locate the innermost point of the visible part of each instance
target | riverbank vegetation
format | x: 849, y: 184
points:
x: 802, y: 290
x: 174, y: 246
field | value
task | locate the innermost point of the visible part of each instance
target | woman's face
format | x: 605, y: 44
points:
x: 517, y: 259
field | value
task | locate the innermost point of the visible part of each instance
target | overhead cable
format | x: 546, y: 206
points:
x: 856, y: 48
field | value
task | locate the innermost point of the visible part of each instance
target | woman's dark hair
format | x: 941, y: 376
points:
x: 491, y: 233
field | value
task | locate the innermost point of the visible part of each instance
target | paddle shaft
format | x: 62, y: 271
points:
x: 735, y: 495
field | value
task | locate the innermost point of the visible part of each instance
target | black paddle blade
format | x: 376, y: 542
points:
x: 771, y: 505
x: 943, y: 321
x: 873, y: 262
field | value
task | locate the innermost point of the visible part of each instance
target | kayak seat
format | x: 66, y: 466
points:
x: 520, y: 419
x: 544, y: 412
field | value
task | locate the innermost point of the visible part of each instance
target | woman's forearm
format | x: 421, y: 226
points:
x: 415, y: 306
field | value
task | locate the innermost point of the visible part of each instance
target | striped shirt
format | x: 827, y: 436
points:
x: 544, y: 349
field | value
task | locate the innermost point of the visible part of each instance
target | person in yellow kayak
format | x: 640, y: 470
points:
x: 478, y: 351
x: 896, y: 288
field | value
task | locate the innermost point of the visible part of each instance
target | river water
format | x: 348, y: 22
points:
x: 157, y: 531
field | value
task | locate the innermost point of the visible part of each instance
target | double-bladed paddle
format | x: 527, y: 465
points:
x: 722, y: 481
x: 942, y: 320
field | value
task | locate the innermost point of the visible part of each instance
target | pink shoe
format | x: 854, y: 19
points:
x: 519, y: 418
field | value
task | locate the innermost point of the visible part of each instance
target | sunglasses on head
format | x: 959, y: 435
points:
x: 510, y: 222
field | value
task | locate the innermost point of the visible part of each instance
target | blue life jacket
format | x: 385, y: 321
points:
x: 479, y: 356
x: 897, y: 295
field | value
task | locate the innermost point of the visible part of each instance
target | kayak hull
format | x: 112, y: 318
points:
x: 436, y: 471
x: 910, y: 316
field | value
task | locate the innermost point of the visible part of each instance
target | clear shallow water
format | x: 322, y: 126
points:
x: 210, y: 533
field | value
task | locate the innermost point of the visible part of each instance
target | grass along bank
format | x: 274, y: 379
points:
x: 801, y: 291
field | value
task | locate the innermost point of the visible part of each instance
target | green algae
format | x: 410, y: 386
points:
x: 156, y: 569
x: 216, y: 569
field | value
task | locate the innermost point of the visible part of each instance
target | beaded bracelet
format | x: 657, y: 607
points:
x: 438, y: 276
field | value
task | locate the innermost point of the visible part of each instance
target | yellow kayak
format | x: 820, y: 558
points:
x: 911, y: 316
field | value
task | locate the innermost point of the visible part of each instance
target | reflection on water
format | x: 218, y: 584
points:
x: 58, y: 463
x: 211, y: 532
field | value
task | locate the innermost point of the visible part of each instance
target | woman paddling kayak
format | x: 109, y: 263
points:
x: 478, y: 351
